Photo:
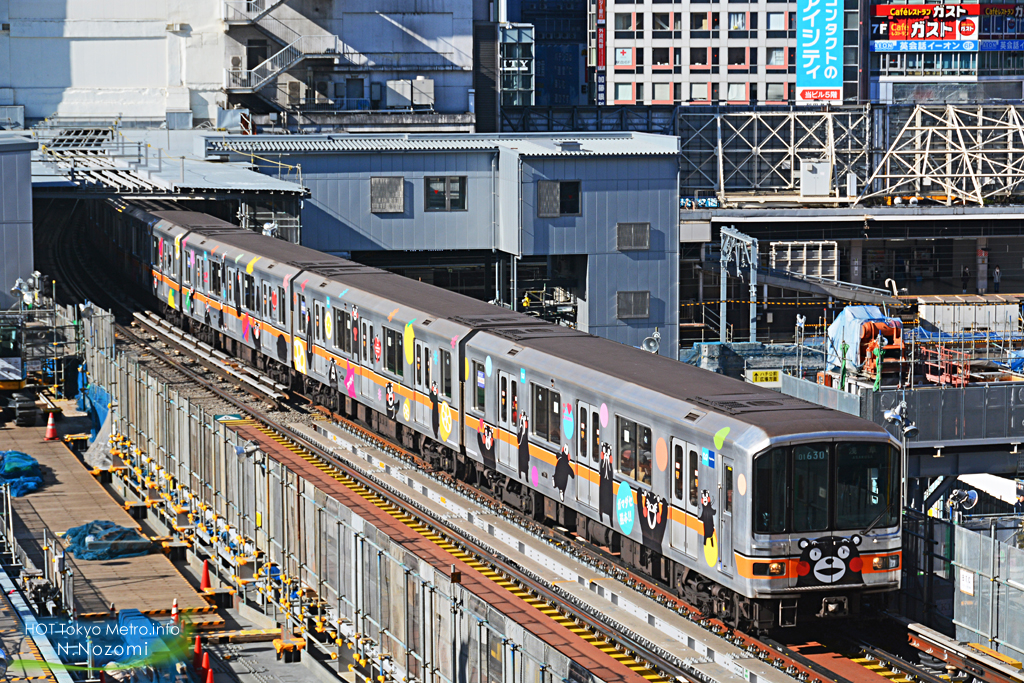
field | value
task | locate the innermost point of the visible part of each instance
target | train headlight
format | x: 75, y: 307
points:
x: 885, y: 562
x: 777, y: 568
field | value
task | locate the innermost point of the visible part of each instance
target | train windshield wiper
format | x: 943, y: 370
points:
x: 877, y: 519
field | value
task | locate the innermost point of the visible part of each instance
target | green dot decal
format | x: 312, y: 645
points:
x: 720, y: 437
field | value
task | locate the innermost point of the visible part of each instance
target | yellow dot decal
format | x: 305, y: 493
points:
x: 711, y: 550
x: 299, y: 356
x: 741, y: 485
x: 446, y: 420
x: 405, y: 411
x: 170, y: 298
x: 410, y: 339
x: 328, y: 326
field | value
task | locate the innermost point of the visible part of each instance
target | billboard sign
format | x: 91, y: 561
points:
x: 601, y: 56
x: 938, y: 23
x: 819, y: 57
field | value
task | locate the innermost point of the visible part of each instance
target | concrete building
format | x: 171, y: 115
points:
x: 655, y: 52
x: 365, y: 65
x: 587, y: 222
x: 15, y: 214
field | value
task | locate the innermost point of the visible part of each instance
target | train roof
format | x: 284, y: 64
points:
x: 774, y: 413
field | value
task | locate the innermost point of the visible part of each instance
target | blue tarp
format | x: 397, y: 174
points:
x: 1017, y: 361
x: 103, y: 540
x: 20, y: 471
x: 847, y: 327
x: 143, y: 640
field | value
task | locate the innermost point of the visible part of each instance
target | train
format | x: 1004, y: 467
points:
x: 758, y: 508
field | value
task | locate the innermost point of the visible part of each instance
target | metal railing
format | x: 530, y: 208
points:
x: 262, y: 74
x: 248, y: 11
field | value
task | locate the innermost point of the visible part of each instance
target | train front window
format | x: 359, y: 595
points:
x: 770, y: 483
x: 810, y: 487
x: 867, y: 485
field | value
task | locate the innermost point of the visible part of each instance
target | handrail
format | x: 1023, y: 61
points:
x: 248, y: 10
x: 256, y: 78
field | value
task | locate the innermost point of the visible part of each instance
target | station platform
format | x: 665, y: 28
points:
x: 71, y: 496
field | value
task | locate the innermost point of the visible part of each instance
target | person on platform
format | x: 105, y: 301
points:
x: 965, y: 277
x: 996, y: 278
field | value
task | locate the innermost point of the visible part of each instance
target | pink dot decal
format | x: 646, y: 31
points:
x: 534, y: 476
x: 603, y: 412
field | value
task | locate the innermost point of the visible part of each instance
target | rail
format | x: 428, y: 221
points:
x: 259, y: 76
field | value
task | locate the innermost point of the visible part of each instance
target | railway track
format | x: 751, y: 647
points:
x: 69, y: 261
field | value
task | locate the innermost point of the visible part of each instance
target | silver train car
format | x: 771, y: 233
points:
x: 760, y: 509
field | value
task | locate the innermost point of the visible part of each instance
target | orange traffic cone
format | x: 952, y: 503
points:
x: 197, y: 655
x: 209, y: 676
x: 175, y: 617
x: 51, y: 429
x: 206, y: 665
x: 204, y: 583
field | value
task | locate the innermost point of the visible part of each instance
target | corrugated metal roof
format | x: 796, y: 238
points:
x: 539, y: 144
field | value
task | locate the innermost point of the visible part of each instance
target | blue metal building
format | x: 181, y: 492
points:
x: 606, y: 203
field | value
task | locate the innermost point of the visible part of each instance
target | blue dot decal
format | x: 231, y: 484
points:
x: 568, y: 423
x: 487, y: 366
x: 625, y: 510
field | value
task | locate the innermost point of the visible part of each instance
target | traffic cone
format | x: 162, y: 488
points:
x: 206, y: 665
x: 209, y: 676
x: 175, y: 617
x: 51, y: 429
x: 204, y: 583
x: 197, y: 654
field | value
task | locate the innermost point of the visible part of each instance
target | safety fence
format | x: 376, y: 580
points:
x: 989, y: 597
x: 311, y: 558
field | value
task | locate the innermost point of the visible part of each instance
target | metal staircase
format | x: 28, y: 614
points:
x: 297, y: 47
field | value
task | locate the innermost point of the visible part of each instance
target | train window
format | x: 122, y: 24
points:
x: 231, y: 285
x: 728, y: 489
x: 810, y: 487
x: 503, y: 398
x: 643, y: 465
x: 694, y: 476
x: 595, y: 431
x: 770, y: 484
x: 584, y: 442
x: 303, y: 315
x: 249, y: 289
x: 366, y: 353
x: 280, y: 305
x: 215, y: 282
x: 546, y: 413
x: 318, y: 321
x: 265, y: 303
x: 343, y: 330
x: 867, y: 485
x: 480, y: 383
x: 680, y: 471
x: 626, y: 446
x: 394, y: 354
x: 419, y: 366
x: 513, y: 391
x: 155, y: 258
x: 426, y: 367
x: 446, y: 373
x: 189, y: 258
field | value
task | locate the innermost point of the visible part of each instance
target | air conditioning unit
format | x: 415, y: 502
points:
x: 423, y: 91
x: 176, y: 28
x: 399, y: 95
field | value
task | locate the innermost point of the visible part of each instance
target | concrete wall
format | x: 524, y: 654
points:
x: 108, y: 57
x: 629, y: 189
x: 15, y: 215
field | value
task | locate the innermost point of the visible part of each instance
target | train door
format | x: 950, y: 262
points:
x: 422, y: 382
x: 685, y: 497
x: 588, y: 451
x: 367, y: 381
x: 725, y: 515
x: 709, y: 505
x: 508, y: 418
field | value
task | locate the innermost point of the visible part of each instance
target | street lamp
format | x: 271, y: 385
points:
x: 908, y: 430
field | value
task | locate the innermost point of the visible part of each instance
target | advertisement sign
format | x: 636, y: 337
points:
x: 930, y: 23
x: 601, y: 11
x: 602, y: 58
x: 927, y: 45
x: 819, y: 51
x: 602, y: 89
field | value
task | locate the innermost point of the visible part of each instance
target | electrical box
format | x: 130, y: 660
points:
x: 399, y: 95
x: 423, y: 92
x: 815, y: 179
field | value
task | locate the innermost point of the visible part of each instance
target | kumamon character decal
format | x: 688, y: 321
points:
x: 563, y: 470
x: 829, y: 560
x: 485, y: 442
x: 282, y: 348
x: 390, y: 401
x: 606, y: 488
x: 332, y: 375
x: 435, y: 410
x: 309, y: 342
x: 255, y: 334
x: 524, y: 444
x: 653, y: 512
x: 707, y: 518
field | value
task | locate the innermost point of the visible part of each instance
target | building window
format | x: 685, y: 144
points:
x: 639, y: 92
x: 624, y: 56
x: 558, y: 198
x: 394, y: 355
x: 624, y: 21
x: 660, y: 56
x: 480, y: 383
x: 698, y: 56
x: 662, y: 23
x: 633, y: 305
x: 776, y: 92
x: 623, y: 91
x: 699, y: 92
x: 546, y: 413
x: 737, y: 56
x: 737, y: 92
x: 699, y: 22
x: 387, y: 195
x: 776, y: 21
x: 632, y: 236
x: 446, y: 193
x: 634, y: 450
x: 662, y: 92
x: 737, y: 21
x: 776, y: 56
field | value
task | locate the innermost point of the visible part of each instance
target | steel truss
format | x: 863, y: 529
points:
x: 960, y: 153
